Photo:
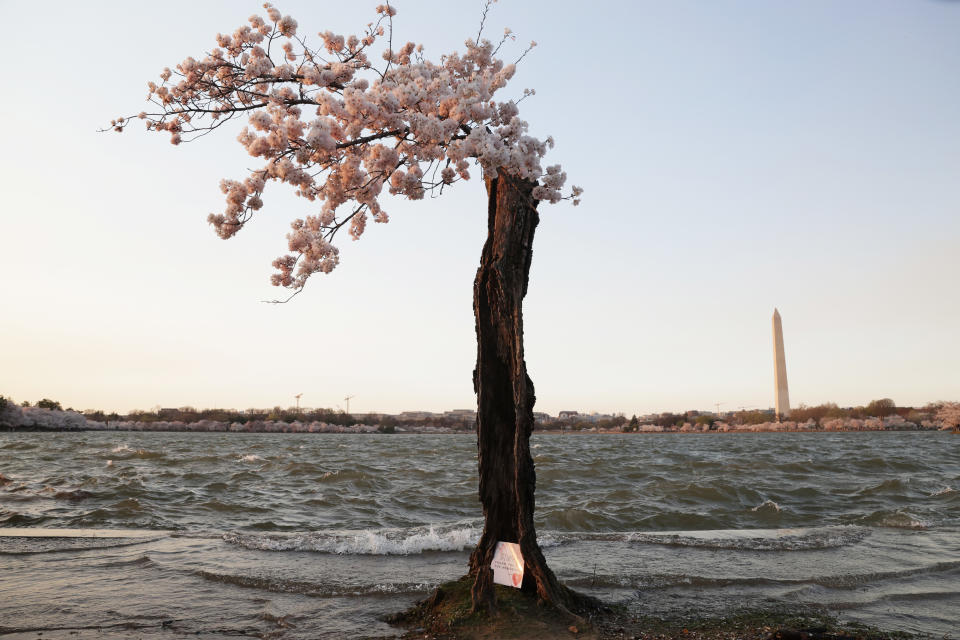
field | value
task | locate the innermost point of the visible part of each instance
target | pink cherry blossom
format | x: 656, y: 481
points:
x: 341, y: 130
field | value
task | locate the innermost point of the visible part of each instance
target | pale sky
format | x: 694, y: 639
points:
x: 735, y: 156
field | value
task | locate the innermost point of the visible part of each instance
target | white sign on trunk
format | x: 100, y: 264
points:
x: 507, y: 564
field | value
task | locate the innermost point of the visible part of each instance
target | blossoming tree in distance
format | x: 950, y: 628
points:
x: 341, y: 130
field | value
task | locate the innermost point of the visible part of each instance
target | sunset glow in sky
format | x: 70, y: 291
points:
x: 735, y: 156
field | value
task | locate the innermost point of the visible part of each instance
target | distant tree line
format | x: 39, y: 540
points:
x: 883, y: 408
x: 45, y: 403
x: 582, y: 424
x: 190, y: 415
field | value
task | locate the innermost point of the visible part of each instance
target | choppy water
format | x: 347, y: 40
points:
x: 312, y: 536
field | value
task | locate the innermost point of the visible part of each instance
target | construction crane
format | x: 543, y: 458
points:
x: 298, y: 401
x: 346, y: 402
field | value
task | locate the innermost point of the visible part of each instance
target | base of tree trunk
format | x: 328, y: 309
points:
x: 449, y: 612
x: 539, y: 581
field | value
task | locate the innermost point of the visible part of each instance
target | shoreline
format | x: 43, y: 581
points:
x: 520, y: 622
x: 446, y: 615
x: 13, y: 418
x: 412, y: 430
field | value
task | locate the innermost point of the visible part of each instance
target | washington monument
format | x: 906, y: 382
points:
x: 780, y: 369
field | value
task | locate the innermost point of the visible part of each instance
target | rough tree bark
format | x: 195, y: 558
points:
x: 505, y: 397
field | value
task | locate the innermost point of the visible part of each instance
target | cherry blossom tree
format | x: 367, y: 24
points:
x: 949, y: 415
x: 341, y: 130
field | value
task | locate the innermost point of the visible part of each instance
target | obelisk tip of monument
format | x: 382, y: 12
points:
x: 775, y: 312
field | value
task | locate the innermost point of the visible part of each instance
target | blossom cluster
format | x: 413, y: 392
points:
x: 341, y: 131
x: 34, y: 417
x: 888, y: 423
x: 949, y: 415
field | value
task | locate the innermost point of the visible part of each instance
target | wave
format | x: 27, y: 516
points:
x: 370, y: 542
x: 31, y: 546
x: 665, y: 581
x: 921, y: 596
x: 894, y: 486
x: 219, y: 506
x: 74, y: 495
x: 768, y: 506
x: 140, y: 561
x: 758, y: 539
x: 894, y: 520
x: 853, y: 581
x: 15, y: 487
x: 301, y: 468
x: 843, y: 581
x: 10, y: 518
x: 22, y: 446
x: 125, y: 452
x: 462, y: 537
x: 341, y: 475
x: 315, y: 589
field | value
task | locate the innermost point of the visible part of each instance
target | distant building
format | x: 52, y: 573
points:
x: 568, y: 414
x: 463, y: 414
x: 416, y: 415
x: 373, y: 415
x: 597, y: 417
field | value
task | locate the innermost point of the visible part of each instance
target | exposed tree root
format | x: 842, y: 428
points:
x: 449, y: 612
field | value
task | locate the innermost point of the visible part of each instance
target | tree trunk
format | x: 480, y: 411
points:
x: 505, y: 397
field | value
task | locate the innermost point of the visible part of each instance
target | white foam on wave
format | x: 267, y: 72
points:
x: 419, y: 540
x: 767, y: 505
x: 367, y: 542
x: 126, y: 450
x: 462, y: 537
x: 250, y: 457
x: 554, y: 539
x: 901, y: 520
x: 943, y: 491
